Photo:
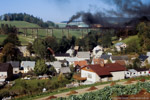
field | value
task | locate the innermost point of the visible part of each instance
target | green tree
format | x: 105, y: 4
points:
x: 12, y: 38
x: 39, y: 48
x: 30, y: 48
x: 40, y: 67
x: 10, y: 52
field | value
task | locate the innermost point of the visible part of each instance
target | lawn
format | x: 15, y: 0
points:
x: 130, y: 38
x: 19, y: 24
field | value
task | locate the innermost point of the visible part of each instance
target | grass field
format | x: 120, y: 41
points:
x: 19, y: 24
x: 42, y: 33
x: 130, y: 38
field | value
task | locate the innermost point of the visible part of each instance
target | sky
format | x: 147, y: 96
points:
x: 53, y: 10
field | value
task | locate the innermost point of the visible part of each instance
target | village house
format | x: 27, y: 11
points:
x: 24, y: 51
x: 65, y: 70
x: 120, y: 58
x: 136, y: 72
x: 71, y: 60
x: 97, y: 61
x: 120, y: 45
x: 105, y: 57
x: 144, y: 60
x: 83, y: 55
x: 56, y: 64
x: 70, y: 52
x: 6, y: 72
x: 16, y: 66
x: 27, y: 66
x: 62, y: 56
x: 79, y: 64
x: 103, y: 72
x: 97, y: 51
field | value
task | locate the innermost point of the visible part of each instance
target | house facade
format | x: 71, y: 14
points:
x: 6, y: 71
x: 27, y: 66
x: 62, y: 56
x: 16, y: 66
x: 120, y: 45
x: 137, y: 72
x: 107, y: 72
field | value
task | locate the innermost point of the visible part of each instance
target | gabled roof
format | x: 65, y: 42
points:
x: 28, y: 64
x: 105, y: 57
x: 15, y: 64
x: 143, y: 57
x: 4, y: 67
x: 56, y: 64
x: 120, y: 58
x: 83, y: 54
x: 65, y: 70
x: 62, y: 55
x: 81, y: 63
x: 107, y: 69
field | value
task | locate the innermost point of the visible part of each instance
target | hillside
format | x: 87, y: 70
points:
x: 19, y: 24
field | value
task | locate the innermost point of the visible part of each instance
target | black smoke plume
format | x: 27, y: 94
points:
x: 89, y: 18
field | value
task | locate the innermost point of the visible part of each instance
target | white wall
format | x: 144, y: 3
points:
x: 61, y: 58
x: 118, y: 75
x: 3, y: 75
x: 91, y: 76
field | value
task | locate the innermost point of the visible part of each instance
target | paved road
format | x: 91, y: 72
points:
x: 84, y: 90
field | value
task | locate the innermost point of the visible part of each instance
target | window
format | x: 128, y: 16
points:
x: 87, y: 67
x: 89, y: 75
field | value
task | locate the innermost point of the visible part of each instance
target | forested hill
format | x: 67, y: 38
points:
x: 27, y: 18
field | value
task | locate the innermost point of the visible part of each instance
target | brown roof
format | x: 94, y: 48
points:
x: 121, y: 62
x: 81, y: 63
x: 98, y: 60
x: 102, y: 71
x: 4, y: 67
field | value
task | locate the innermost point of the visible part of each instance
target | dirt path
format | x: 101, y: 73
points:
x: 84, y: 90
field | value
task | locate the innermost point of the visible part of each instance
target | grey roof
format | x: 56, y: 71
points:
x: 132, y: 70
x: 105, y: 57
x: 56, y: 64
x: 4, y: 67
x: 14, y: 64
x: 120, y: 58
x: 65, y: 70
x: 28, y: 64
x: 83, y: 54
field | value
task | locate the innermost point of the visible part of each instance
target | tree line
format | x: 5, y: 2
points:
x: 27, y: 18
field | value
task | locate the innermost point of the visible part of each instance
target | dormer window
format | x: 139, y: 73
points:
x: 87, y: 67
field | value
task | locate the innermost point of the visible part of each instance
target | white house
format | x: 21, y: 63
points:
x: 24, y: 51
x: 70, y: 52
x: 144, y: 60
x: 27, y: 66
x: 120, y: 45
x: 97, y: 51
x: 101, y: 72
x: 136, y: 72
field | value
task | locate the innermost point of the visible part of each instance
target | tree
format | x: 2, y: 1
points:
x: 39, y: 48
x: 64, y: 44
x: 40, y: 67
x: 136, y: 63
x: 12, y: 38
x: 10, y: 52
x: 30, y: 48
x: 52, y: 71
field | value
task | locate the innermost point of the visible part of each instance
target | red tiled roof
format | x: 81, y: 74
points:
x: 121, y: 62
x: 81, y: 63
x: 101, y: 71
